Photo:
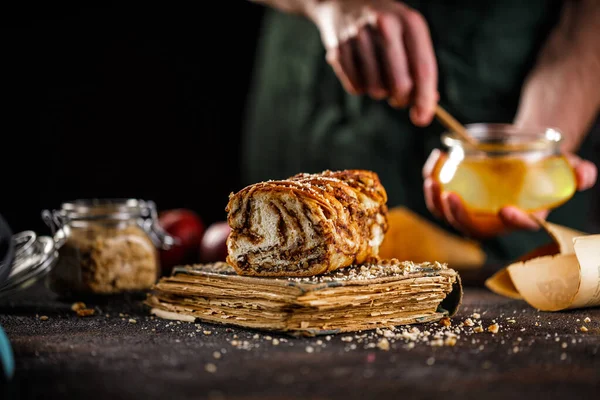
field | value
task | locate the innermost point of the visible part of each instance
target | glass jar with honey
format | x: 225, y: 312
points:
x: 508, y: 167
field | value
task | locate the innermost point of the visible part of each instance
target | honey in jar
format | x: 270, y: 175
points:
x: 508, y: 167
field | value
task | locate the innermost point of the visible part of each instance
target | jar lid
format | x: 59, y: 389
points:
x: 34, y: 257
x: 506, y: 138
x: 85, y: 210
x: 100, y: 209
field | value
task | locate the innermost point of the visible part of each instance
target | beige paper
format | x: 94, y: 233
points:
x: 568, y: 279
x: 587, y: 249
x: 562, y: 236
x: 502, y: 284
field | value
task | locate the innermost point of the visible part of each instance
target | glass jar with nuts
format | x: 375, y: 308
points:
x: 105, y: 246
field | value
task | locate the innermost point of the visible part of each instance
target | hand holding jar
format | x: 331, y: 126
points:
x: 491, y: 190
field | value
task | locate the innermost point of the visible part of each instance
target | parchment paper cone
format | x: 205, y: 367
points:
x: 562, y: 275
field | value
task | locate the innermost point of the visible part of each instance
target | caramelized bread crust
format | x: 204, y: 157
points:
x: 308, y: 224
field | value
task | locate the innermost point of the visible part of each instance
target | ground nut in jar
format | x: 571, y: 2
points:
x: 106, y: 247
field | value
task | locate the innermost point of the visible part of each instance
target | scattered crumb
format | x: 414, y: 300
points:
x: 430, y: 361
x: 309, y: 349
x: 494, y: 328
x: 563, y: 356
x: 44, y: 318
x: 476, y: 315
x: 469, y: 322
x: 583, y: 329
x: 211, y: 368
x: 78, y: 306
x: 275, y: 342
x: 478, y: 329
x: 383, y: 344
x: 564, y: 345
x: 515, y: 349
x: 388, y: 333
x: 268, y: 338
x: 587, y: 320
x: 347, y: 339
x: 450, y: 341
x: 207, y: 332
x: 85, y: 312
x: 217, y: 355
x: 132, y: 321
x: 445, y: 321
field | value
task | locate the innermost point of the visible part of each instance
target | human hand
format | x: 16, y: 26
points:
x: 448, y: 206
x: 381, y: 48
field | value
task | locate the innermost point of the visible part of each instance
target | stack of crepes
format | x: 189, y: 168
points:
x: 303, y: 258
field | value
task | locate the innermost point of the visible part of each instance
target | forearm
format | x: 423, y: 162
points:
x: 563, y: 89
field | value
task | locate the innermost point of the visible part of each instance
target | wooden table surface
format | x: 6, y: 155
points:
x: 108, y: 356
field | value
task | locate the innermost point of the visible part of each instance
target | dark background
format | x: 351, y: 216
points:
x: 124, y: 99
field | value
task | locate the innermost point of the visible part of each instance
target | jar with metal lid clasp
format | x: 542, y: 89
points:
x: 105, y: 246
x: 509, y: 167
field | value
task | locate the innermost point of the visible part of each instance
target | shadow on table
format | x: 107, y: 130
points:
x: 38, y: 299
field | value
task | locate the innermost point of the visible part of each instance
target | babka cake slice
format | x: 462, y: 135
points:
x: 308, y: 224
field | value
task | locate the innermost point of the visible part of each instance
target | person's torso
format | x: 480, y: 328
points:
x: 301, y: 120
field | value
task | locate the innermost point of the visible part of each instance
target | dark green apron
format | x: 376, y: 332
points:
x: 301, y: 120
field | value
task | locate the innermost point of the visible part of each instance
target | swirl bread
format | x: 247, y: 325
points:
x: 308, y: 224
